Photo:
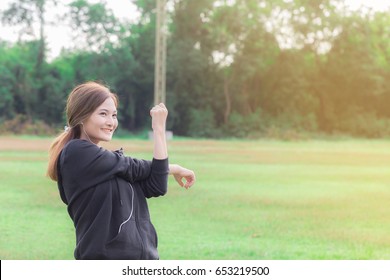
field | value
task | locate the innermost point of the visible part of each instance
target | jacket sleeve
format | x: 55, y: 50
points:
x: 90, y: 165
x: 157, y: 183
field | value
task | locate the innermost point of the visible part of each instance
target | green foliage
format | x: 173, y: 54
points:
x: 251, y: 125
x: 95, y: 23
x: 6, y: 95
x: 244, y: 68
x: 17, y: 71
x: 202, y: 124
x: 365, y: 124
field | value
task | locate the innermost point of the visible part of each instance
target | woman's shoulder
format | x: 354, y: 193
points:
x: 77, y: 143
x: 79, y: 152
x: 79, y: 147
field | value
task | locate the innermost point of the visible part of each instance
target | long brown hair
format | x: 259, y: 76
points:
x: 82, y: 102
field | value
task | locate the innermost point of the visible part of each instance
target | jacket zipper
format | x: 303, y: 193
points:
x: 119, y: 192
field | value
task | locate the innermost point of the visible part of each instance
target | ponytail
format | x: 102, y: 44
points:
x: 56, y: 148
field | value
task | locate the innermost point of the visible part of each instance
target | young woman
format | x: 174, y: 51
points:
x: 106, y: 191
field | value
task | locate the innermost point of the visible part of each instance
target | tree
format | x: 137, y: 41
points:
x: 355, y: 76
x: 94, y: 25
x: 7, y: 80
x: 17, y: 75
x: 26, y: 13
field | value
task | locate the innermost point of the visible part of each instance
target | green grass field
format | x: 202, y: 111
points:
x: 252, y: 200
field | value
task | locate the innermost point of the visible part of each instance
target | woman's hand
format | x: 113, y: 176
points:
x: 159, y: 115
x: 180, y: 173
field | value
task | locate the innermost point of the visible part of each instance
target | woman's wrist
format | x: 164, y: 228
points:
x: 173, y: 168
x: 158, y: 128
x: 160, y: 145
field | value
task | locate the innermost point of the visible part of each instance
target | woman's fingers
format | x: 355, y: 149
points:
x: 189, y: 179
x: 159, y: 115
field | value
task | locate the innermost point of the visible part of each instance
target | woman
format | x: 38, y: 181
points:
x: 106, y: 191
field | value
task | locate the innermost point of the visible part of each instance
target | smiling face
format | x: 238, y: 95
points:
x: 101, y: 125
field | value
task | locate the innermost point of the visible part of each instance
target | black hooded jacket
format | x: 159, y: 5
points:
x: 106, y: 196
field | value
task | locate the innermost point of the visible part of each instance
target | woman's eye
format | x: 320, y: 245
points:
x: 103, y: 114
x: 114, y: 116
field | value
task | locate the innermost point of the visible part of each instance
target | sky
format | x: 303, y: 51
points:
x: 59, y: 36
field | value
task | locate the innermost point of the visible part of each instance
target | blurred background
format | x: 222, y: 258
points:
x: 235, y: 68
x: 250, y: 74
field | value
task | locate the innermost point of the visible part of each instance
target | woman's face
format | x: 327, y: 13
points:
x: 101, y: 125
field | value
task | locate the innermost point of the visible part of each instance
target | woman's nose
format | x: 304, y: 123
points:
x: 110, y: 122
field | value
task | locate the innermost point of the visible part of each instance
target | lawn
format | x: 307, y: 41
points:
x: 253, y: 200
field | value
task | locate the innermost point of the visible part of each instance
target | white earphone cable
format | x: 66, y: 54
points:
x: 86, y: 133
x: 132, y: 207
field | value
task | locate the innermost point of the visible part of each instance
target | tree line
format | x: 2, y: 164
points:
x: 242, y: 68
